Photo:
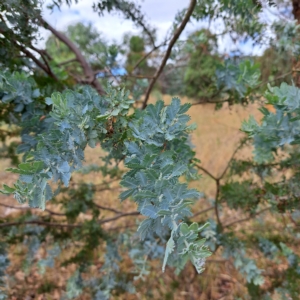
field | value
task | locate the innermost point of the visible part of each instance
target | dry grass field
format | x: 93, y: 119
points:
x: 215, y: 139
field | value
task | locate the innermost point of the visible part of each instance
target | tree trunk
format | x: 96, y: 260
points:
x: 296, y: 64
x: 296, y: 10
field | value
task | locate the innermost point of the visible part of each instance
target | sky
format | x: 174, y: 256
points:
x: 159, y: 13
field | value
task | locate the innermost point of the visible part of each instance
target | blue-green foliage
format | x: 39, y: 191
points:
x: 78, y: 118
x: 156, y: 159
x: 49, y: 260
x: 240, y: 16
x: 238, y: 80
x: 155, y: 146
x: 244, y: 264
x: 276, y: 129
x: 4, y: 262
x: 287, y: 37
x: 21, y: 91
x: 110, y: 278
x: 240, y: 195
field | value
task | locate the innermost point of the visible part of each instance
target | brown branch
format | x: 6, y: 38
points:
x: 169, y: 50
x: 148, y: 54
x: 45, y: 67
x: 88, y: 71
x: 206, y: 172
x: 104, y: 183
x: 248, y: 218
x: 230, y: 160
x: 60, y: 214
x: 203, y: 211
x: 276, y: 78
x: 217, y: 203
x: 43, y: 54
x: 51, y: 224
x: 29, y: 208
x: 210, y: 101
x: 9, y: 32
x: 67, y: 62
x: 134, y: 213
x: 107, y: 208
x: 42, y: 223
x: 129, y: 75
x: 122, y: 227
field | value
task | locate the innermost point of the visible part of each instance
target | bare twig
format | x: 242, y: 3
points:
x: 67, y: 62
x: 248, y: 218
x: 29, y: 208
x: 276, y: 78
x: 45, y: 68
x: 107, y: 208
x: 202, y: 211
x: 217, y: 203
x: 52, y: 224
x: 230, y: 160
x: 134, y: 213
x: 209, y: 101
x: 207, y: 172
x: 42, y: 223
x: 129, y: 76
x: 148, y: 54
x: 169, y: 50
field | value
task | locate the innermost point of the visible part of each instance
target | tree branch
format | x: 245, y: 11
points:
x: 148, y: 54
x: 206, y: 172
x: 52, y: 224
x: 42, y: 223
x: 217, y: 203
x: 134, y: 213
x: 88, y: 71
x: 169, y: 50
x: 248, y: 218
x: 67, y: 62
x: 29, y: 208
x: 231, y: 158
x: 203, y: 211
x: 107, y: 208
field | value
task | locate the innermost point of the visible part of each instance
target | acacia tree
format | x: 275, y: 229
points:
x: 59, y: 108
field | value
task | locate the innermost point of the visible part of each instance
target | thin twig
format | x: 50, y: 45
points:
x: 217, y: 203
x: 276, y: 78
x: 134, y: 213
x: 207, y: 172
x: 29, y: 208
x: 169, y: 50
x: 203, y: 211
x: 42, y: 223
x: 51, y: 224
x: 45, y: 68
x: 148, y: 54
x: 107, y: 208
x: 230, y: 160
x: 248, y: 218
x: 67, y: 62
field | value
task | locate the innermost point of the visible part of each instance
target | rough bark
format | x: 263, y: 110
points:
x: 296, y: 64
